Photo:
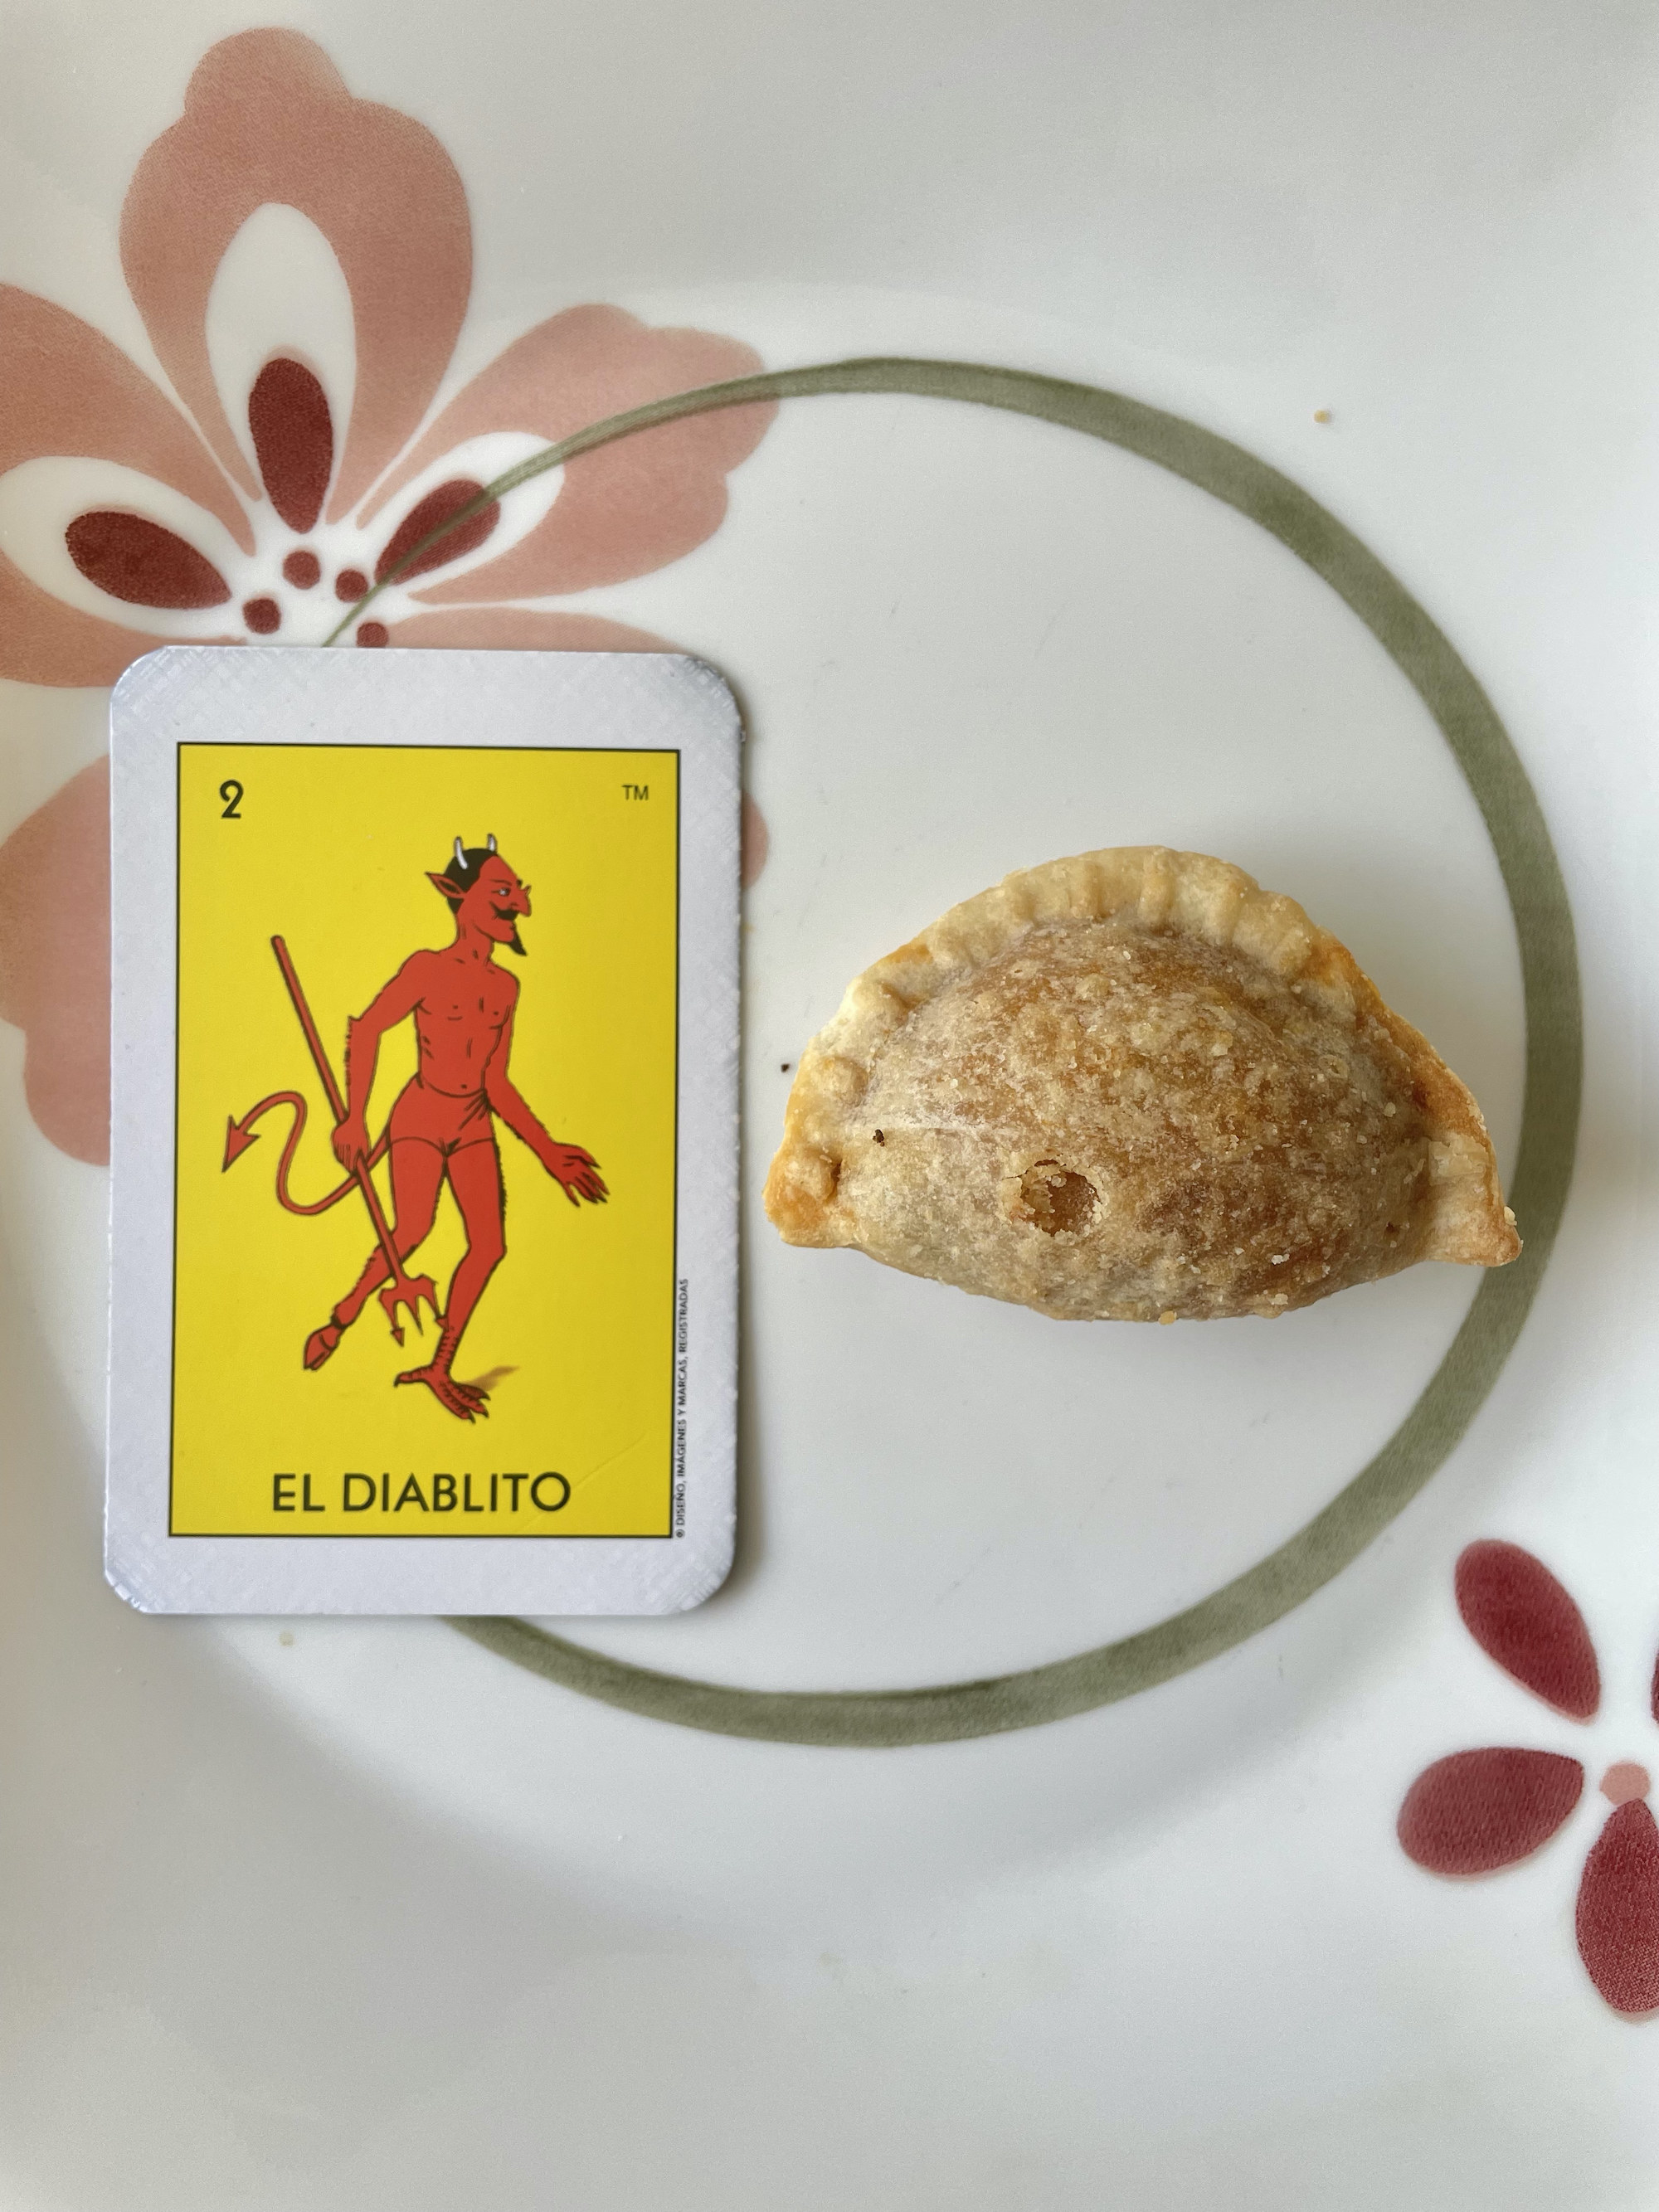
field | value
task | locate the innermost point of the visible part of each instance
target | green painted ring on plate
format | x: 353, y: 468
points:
x: 1543, y: 923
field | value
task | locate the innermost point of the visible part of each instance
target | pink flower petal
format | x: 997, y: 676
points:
x: 623, y: 509
x: 268, y: 117
x: 1522, y: 1617
x: 1618, y: 1910
x: 54, y: 961
x: 68, y: 392
x: 1482, y: 1809
x: 527, y: 628
x: 44, y: 641
x: 143, y: 563
x: 292, y: 433
x: 755, y: 846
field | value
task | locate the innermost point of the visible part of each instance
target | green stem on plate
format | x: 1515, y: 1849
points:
x: 872, y: 374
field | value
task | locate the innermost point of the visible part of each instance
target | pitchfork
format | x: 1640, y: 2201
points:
x: 403, y: 1289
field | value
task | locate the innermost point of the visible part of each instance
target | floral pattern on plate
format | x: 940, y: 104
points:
x: 1476, y: 1811
x: 197, y: 535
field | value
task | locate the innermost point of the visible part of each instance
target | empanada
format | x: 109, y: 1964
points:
x: 1134, y: 1086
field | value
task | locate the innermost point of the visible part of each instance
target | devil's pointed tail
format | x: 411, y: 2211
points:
x: 332, y: 1198
x: 239, y: 1135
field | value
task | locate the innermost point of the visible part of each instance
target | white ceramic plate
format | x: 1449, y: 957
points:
x: 361, y: 1913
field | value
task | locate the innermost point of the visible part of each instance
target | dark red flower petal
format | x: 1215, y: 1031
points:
x: 426, y: 514
x: 293, y: 439
x: 1618, y: 1910
x: 1521, y: 1616
x: 137, y: 561
x: 1482, y: 1809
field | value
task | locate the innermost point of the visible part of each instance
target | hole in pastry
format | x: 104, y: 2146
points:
x: 1054, y: 1199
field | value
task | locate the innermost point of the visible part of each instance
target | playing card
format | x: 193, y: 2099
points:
x: 424, y: 1132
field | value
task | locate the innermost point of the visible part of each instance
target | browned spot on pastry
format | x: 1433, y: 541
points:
x: 1056, y: 1202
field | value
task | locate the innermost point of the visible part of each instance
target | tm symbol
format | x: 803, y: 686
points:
x: 637, y: 791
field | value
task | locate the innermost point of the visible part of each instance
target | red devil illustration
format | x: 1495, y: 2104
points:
x: 442, y: 1125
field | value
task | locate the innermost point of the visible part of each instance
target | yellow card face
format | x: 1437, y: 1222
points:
x: 423, y: 1242
x: 331, y: 850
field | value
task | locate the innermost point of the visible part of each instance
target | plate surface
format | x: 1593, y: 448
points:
x: 346, y: 1913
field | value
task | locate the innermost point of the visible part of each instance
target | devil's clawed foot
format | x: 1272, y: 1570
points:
x: 321, y: 1342
x: 465, y: 1400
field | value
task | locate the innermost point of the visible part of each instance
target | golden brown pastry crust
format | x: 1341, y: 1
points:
x: 1134, y: 1086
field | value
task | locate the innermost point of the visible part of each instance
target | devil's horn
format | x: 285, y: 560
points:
x: 490, y: 847
x: 460, y: 857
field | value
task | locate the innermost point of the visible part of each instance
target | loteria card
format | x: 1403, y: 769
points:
x: 424, y: 1158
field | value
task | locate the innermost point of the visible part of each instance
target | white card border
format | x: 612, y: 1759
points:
x: 159, y: 704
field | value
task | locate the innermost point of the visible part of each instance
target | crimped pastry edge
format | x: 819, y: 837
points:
x: 1161, y: 889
